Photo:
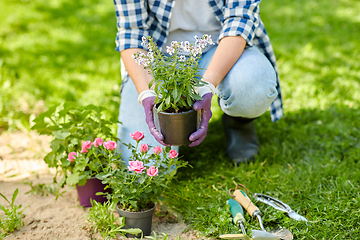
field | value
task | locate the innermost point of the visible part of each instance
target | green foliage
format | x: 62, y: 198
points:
x: 101, y: 219
x: 175, y: 75
x: 71, y: 125
x: 55, y: 52
x: 134, y: 189
x: 163, y: 237
x: 12, y: 219
x: 44, y: 189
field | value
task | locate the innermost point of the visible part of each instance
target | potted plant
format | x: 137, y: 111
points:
x: 176, y: 78
x: 136, y: 187
x: 84, y: 165
x: 75, y: 130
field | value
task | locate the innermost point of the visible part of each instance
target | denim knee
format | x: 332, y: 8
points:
x: 250, y: 86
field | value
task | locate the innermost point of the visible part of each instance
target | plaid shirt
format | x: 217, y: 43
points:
x: 137, y: 18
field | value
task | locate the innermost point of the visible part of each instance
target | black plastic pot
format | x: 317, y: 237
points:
x: 177, y: 127
x: 142, y: 220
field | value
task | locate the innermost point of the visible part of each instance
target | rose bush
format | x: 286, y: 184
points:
x: 74, y: 129
x: 135, y: 186
x: 90, y: 161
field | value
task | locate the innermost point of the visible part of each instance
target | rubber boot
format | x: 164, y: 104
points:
x: 241, y: 141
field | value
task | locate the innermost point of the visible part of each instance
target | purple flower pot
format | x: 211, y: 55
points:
x: 89, y: 190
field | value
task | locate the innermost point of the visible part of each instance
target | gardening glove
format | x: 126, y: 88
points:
x: 206, y: 92
x: 147, y: 100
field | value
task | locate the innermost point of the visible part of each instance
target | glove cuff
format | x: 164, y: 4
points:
x: 207, y: 88
x: 145, y: 94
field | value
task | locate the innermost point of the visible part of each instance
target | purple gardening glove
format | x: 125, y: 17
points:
x: 205, y: 106
x: 147, y: 99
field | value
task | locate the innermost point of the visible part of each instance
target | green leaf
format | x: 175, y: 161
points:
x: 172, y: 173
x: 175, y: 94
x: 73, y: 179
x: 82, y: 180
x: 5, y: 198
x: 14, y: 196
x: 133, y: 231
x: 50, y: 160
x: 167, y: 100
x: 62, y: 135
x: 142, y: 180
x: 55, y: 145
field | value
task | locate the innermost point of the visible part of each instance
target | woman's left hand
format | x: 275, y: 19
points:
x: 205, y: 106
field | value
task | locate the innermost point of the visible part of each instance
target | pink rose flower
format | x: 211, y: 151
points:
x: 173, y: 154
x: 86, y: 145
x: 152, y: 171
x: 144, y: 148
x: 136, y: 166
x: 137, y: 136
x: 110, y: 145
x: 72, y: 156
x: 97, y: 142
x: 157, y: 150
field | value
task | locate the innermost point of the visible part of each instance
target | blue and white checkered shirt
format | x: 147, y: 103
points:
x: 137, y: 18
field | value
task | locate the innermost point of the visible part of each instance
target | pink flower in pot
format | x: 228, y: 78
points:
x: 97, y: 142
x: 173, y: 154
x: 157, y: 150
x: 152, y: 171
x: 71, y: 156
x: 110, y: 145
x: 137, y: 166
x: 144, y: 148
x: 86, y: 145
x: 137, y: 136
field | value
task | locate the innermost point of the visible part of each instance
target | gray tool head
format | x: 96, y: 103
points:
x: 297, y: 216
x: 262, y: 235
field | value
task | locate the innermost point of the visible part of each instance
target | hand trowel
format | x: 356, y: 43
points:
x: 238, y: 218
x: 244, y: 200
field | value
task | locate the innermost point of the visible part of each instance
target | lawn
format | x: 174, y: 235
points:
x: 63, y: 50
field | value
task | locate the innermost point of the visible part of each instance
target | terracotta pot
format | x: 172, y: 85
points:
x: 177, y: 127
x: 142, y: 220
x: 89, y: 190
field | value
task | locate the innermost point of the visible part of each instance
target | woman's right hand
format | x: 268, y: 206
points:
x: 147, y: 99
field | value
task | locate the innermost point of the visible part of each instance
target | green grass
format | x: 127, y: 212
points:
x: 64, y: 51
x: 54, y: 52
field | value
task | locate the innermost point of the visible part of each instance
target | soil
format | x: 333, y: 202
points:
x: 21, y: 163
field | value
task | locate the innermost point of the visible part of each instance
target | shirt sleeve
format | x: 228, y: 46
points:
x: 131, y: 16
x: 241, y: 18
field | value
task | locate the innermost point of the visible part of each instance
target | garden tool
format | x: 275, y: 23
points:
x: 238, y: 218
x: 254, y: 211
x: 278, y: 205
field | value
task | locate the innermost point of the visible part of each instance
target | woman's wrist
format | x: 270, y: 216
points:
x: 207, y: 88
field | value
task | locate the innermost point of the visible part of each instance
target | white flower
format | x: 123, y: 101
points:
x: 174, y: 43
x: 196, y: 39
x: 186, y: 46
x: 182, y: 58
x: 170, y: 50
x: 143, y: 39
x: 149, y: 47
x: 150, y: 56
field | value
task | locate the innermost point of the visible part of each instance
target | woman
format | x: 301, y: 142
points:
x: 240, y: 68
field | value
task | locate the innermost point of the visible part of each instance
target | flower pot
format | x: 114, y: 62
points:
x: 142, y: 220
x: 89, y: 190
x: 177, y: 127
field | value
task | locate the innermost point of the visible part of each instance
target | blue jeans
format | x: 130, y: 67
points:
x: 246, y: 91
